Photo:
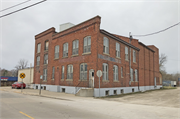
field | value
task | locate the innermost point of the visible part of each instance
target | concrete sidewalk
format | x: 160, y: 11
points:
x: 45, y: 93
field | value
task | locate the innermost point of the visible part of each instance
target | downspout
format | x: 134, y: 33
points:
x: 144, y: 70
x: 130, y: 39
x: 138, y: 71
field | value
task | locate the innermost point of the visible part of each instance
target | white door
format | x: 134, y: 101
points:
x: 91, y: 78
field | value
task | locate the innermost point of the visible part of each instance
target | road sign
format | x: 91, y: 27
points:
x: 99, y: 73
x: 22, y: 75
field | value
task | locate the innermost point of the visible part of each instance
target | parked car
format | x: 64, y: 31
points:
x: 17, y: 85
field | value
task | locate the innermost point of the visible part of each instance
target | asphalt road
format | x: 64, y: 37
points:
x: 18, y: 106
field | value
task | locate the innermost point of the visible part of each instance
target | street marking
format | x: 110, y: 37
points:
x: 26, y: 115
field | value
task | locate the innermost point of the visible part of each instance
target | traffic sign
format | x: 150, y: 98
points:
x: 99, y: 73
x: 22, y: 75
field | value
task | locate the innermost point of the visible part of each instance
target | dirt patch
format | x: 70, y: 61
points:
x: 166, y: 98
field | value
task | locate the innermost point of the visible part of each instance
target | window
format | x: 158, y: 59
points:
x: 38, y: 60
x: 75, y: 47
x: 70, y: 72
x: 83, y: 71
x: 39, y: 48
x: 46, y: 45
x: 136, y: 76
x: 56, y: 52
x: 46, y: 59
x: 65, y: 49
x: 121, y: 71
x: 115, y: 70
x: 134, y: 56
x: 105, y: 71
x: 131, y: 74
x: 126, y: 53
x: 62, y: 72
x: 45, y: 74
x: 87, y: 44
x: 106, y: 45
x: 53, y: 70
x: 117, y: 50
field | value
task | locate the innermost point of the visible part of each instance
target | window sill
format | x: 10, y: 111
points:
x: 62, y: 79
x: 44, y: 81
x: 115, y: 81
x: 75, y: 55
x: 83, y: 80
x: 52, y: 79
x: 134, y: 62
x: 87, y: 53
x: 105, y: 80
x: 45, y: 50
x: 69, y: 79
x: 45, y: 64
x: 56, y: 58
x: 118, y: 57
x: 106, y: 54
x: 38, y: 53
x: 37, y: 65
x: 122, y: 77
x: 65, y: 57
x: 126, y: 60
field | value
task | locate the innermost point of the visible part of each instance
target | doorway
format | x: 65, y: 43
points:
x: 91, y: 78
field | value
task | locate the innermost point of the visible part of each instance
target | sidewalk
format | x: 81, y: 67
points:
x: 44, y: 93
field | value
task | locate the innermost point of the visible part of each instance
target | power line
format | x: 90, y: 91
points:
x: 157, y: 31
x: 14, y: 6
x: 22, y: 8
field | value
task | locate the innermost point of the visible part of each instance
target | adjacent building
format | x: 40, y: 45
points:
x: 68, y: 61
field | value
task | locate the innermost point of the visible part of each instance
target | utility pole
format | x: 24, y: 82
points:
x: 130, y: 39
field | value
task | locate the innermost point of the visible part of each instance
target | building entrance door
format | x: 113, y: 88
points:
x: 91, y: 78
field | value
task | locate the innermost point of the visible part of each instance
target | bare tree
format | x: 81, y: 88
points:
x: 162, y: 61
x: 22, y: 64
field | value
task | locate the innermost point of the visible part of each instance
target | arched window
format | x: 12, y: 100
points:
x: 87, y: 44
x: 75, y: 47
x: 83, y: 71
x: 65, y: 49
x: 38, y: 60
x: 105, y: 71
x: 46, y: 45
x: 106, y: 45
x: 117, y: 50
x: 115, y: 71
x: 56, y: 52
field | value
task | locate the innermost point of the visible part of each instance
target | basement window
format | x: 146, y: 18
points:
x: 122, y: 91
x: 44, y: 87
x: 115, y: 92
x: 36, y: 87
x: 63, y: 90
x: 107, y: 93
x: 133, y: 90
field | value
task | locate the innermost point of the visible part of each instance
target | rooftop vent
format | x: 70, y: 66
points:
x: 65, y: 26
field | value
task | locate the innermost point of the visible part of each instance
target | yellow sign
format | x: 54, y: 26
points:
x: 22, y: 75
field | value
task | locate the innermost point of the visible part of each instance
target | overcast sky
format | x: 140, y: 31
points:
x: 17, y: 30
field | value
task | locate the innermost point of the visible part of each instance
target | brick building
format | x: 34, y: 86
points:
x: 69, y: 60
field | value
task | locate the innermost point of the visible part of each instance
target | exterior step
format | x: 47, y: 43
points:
x: 85, y: 92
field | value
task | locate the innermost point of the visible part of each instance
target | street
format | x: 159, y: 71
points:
x: 39, y: 108
x: 160, y: 104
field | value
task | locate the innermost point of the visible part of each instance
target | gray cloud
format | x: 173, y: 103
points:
x: 118, y: 17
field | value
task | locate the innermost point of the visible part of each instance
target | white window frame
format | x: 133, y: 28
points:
x: 131, y: 74
x: 136, y: 75
x: 70, y: 71
x: 105, y: 72
x: 122, y: 72
x: 45, y: 58
x: 106, y: 45
x: 118, y: 50
x: 126, y: 53
x: 75, y: 47
x: 53, y: 72
x: 38, y: 47
x: 56, y: 52
x: 62, y: 75
x: 87, y: 44
x: 38, y: 61
x: 134, y: 56
x: 83, y: 71
x: 115, y: 72
x: 44, y: 74
x: 65, y: 50
x: 46, y: 46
